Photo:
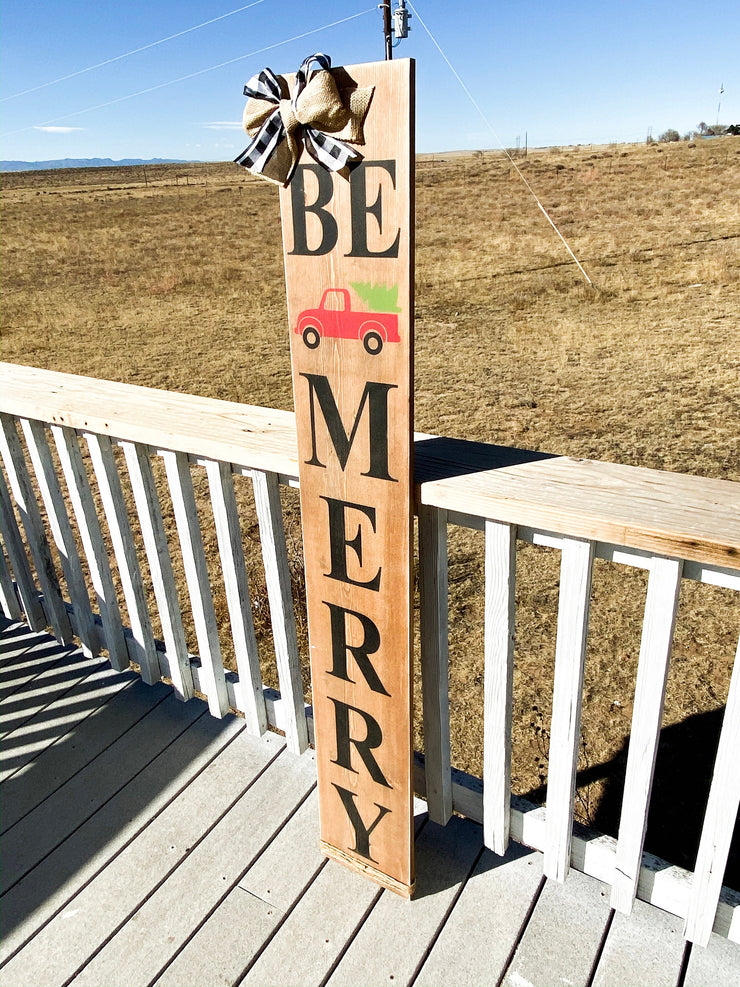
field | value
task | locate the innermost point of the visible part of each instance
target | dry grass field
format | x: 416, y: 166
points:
x: 172, y: 277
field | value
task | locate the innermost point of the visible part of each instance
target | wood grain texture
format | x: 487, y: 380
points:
x: 199, y: 588
x: 690, y: 517
x: 668, y: 513
x: 652, y: 674
x: 88, y: 525
x: 233, y: 566
x: 124, y: 550
x: 499, y: 683
x: 435, y: 672
x: 61, y: 530
x: 8, y: 598
x: 28, y: 509
x: 576, y: 567
x: 19, y: 561
x: 157, y: 550
x: 235, y: 433
x: 343, y: 234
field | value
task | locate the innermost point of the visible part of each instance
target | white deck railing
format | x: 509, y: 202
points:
x: 677, y: 527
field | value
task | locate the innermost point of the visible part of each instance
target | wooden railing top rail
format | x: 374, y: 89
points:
x: 688, y: 517
x: 246, y: 435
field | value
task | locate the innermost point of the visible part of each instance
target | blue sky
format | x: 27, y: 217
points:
x: 566, y: 73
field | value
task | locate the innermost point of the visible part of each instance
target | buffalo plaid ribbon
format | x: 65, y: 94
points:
x: 329, y: 152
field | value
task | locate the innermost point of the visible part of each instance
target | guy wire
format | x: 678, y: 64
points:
x: 500, y: 143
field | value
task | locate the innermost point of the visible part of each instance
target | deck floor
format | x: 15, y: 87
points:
x: 145, y: 842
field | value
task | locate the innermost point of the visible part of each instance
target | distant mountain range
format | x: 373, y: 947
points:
x: 82, y: 163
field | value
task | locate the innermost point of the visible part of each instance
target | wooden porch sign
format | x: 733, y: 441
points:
x: 348, y: 244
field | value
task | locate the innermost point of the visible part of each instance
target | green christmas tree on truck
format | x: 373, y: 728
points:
x: 336, y: 318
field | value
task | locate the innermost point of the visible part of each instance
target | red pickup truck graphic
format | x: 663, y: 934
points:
x: 334, y: 317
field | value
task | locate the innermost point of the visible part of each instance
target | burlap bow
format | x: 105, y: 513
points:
x: 281, y: 126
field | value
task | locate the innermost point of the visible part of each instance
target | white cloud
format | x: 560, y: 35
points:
x: 222, y: 125
x: 58, y: 130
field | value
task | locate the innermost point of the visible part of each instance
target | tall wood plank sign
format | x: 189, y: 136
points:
x: 348, y: 242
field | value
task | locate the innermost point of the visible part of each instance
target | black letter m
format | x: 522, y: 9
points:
x: 376, y: 396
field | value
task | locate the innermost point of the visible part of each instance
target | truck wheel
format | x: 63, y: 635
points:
x: 373, y: 343
x: 311, y: 337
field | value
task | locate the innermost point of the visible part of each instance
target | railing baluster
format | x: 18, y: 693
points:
x: 499, y: 678
x: 86, y: 513
x: 19, y: 561
x: 277, y: 577
x: 196, y: 574
x: 433, y: 602
x: 652, y: 673
x: 719, y: 821
x: 61, y: 529
x: 234, y: 569
x: 576, y: 565
x: 157, y: 549
x: 20, y: 484
x: 109, y: 483
x: 8, y: 598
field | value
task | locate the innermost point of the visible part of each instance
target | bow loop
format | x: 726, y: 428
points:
x: 281, y: 125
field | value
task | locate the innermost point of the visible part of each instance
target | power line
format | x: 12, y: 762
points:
x: 500, y: 143
x: 192, y: 75
x: 134, y: 51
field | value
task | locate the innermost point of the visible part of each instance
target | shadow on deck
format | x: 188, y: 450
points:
x: 145, y: 842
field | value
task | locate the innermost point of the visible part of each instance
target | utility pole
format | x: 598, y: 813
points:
x: 386, y: 7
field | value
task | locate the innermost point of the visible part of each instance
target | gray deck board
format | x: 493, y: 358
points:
x: 148, y: 843
x: 152, y: 936
x: 271, y: 886
x: 30, y: 702
x: 22, y: 659
x: 445, y: 857
x: 477, y: 939
x: 563, y: 935
x: 59, y: 815
x: 16, y: 639
x: 54, y: 882
x: 315, y: 933
x: 88, y: 734
x: 718, y: 964
x: 102, y: 907
x: 645, y: 947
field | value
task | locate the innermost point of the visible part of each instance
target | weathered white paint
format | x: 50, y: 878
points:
x: 25, y: 500
x: 433, y: 604
x: 277, y: 578
x: 196, y: 574
x: 499, y: 678
x: 96, y: 552
x: 652, y: 673
x: 570, y: 658
x: 160, y: 566
x: 234, y: 571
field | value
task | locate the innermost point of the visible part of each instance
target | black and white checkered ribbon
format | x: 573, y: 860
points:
x: 329, y: 152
